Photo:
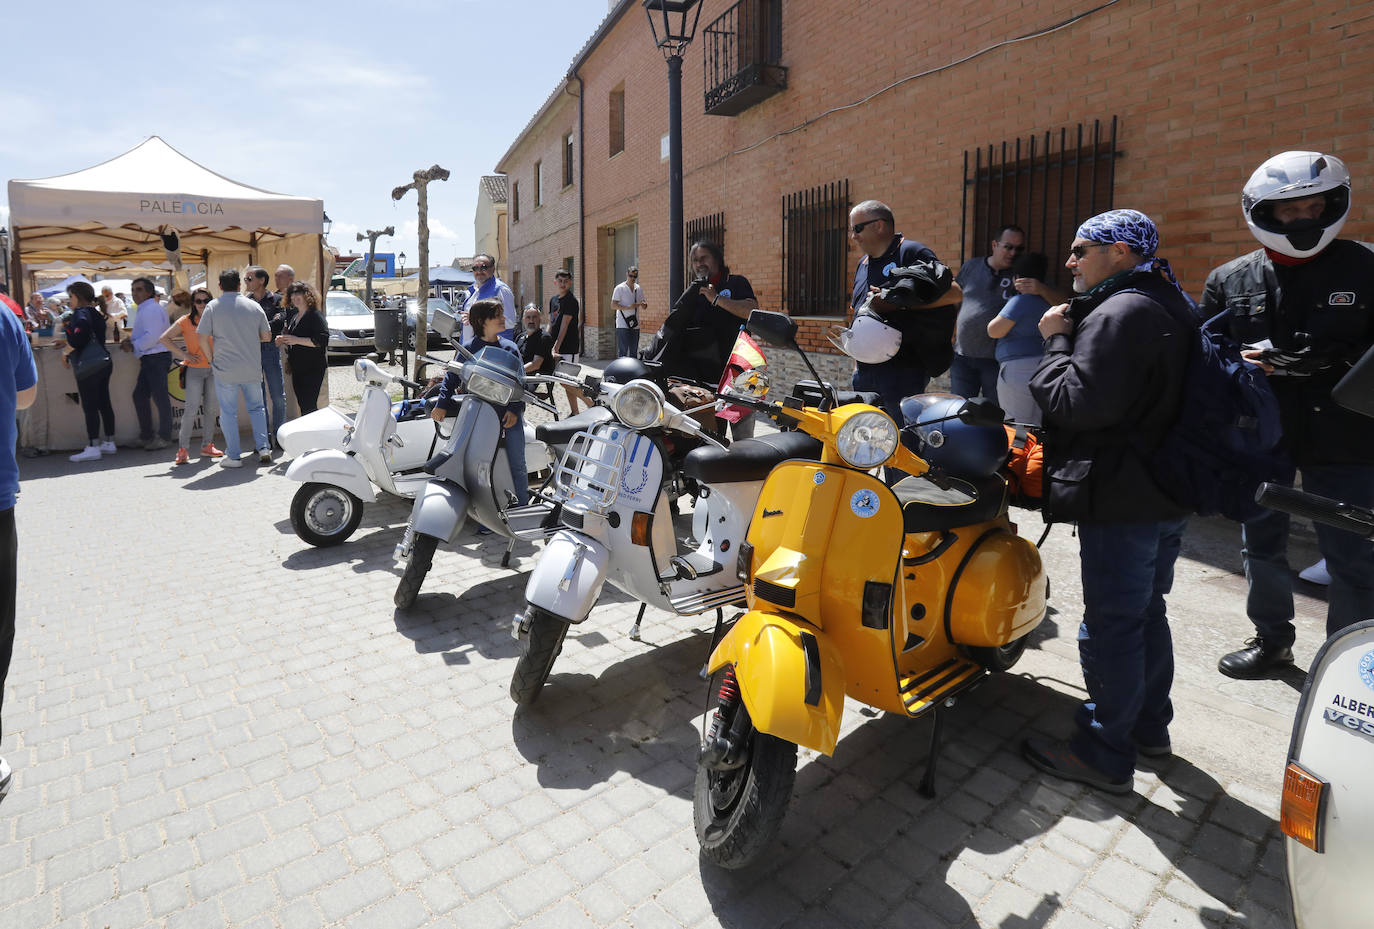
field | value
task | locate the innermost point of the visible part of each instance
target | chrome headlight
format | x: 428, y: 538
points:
x: 866, y: 440
x: 639, y: 404
x: 360, y: 370
x: 490, y: 389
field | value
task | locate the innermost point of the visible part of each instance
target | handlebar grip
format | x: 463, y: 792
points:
x: 1318, y: 509
x: 411, y: 384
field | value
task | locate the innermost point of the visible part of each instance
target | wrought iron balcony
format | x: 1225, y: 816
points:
x: 742, y: 48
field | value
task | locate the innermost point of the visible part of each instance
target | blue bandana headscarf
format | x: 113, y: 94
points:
x: 1138, y: 231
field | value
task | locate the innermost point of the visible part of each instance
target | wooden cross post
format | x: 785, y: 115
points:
x: 420, y: 183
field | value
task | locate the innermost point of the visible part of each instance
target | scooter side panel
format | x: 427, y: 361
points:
x: 1001, y: 593
x: 331, y: 466
x: 771, y: 667
x: 568, y: 551
x: 1333, y: 738
x: 324, y: 428
x: 440, y: 509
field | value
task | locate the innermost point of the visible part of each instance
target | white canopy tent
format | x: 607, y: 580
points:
x: 114, y: 215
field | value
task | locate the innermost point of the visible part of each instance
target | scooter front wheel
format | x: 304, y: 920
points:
x: 325, y: 515
x: 541, y: 648
x: 999, y: 658
x: 417, y: 566
x: 738, y: 811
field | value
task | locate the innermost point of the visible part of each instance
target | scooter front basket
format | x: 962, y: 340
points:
x: 589, y: 471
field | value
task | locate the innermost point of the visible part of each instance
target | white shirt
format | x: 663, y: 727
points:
x: 115, y: 309
x: 625, y: 299
x: 149, y: 323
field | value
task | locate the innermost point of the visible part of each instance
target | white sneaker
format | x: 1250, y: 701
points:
x: 89, y: 453
x: 227, y: 462
x: 1316, y: 574
x: 108, y: 447
x: 5, y: 778
x: 265, y: 455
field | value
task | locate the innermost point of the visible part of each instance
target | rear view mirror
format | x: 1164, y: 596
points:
x: 1355, y: 391
x: 568, y: 369
x: 751, y: 383
x: 444, y: 323
x: 980, y: 411
x: 770, y: 328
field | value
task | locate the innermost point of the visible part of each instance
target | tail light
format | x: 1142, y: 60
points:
x: 1304, y: 800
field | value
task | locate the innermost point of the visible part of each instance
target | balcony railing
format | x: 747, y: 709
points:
x: 742, y: 48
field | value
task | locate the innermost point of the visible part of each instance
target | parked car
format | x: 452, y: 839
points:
x: 351, y: 324
x: 433, y: 341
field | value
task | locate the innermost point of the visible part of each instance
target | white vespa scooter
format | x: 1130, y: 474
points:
x: 470, y: 477
x: 614, y: 484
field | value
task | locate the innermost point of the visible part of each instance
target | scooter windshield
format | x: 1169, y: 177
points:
x: 495, y: 375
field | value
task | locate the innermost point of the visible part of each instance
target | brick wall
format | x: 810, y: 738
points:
x: 1204, y: 93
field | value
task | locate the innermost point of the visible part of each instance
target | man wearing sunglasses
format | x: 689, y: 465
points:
x: 488, y: 285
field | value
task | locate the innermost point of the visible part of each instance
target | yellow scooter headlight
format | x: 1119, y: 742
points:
x: 867, y: 439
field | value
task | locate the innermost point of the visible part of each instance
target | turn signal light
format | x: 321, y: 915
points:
x: 1300, y: 815
x: 639, y: 529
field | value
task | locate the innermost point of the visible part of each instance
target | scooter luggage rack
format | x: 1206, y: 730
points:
x: 584, y: 475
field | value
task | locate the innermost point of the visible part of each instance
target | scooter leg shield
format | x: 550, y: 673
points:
x: 440, y: 509
x: 331, y: 466
x: 567, y: 578
x: 790, y: 677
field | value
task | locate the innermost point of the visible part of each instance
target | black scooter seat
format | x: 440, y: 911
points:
x: 748, y: 459
x: 559, y: 434
x: 967, y: 502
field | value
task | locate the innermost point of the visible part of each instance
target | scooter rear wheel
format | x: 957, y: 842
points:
x: 421, y: 557
x: 325, y: 515
x: 739, y: 811
x: 542, y: 647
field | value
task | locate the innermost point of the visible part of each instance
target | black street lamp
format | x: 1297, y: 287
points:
x: 678, y: 22
x: 5, y: 253
x: 401, y: 258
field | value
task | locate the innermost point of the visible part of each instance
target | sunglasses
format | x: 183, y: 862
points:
x: 860, y: 227
x: 481, y: 267
x: 200, y: 301
x: 1078, y: 251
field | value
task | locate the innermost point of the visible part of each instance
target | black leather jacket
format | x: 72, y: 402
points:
x: 1325, y: 305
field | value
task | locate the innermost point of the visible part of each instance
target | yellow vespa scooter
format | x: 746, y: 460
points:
x: 899, y: 597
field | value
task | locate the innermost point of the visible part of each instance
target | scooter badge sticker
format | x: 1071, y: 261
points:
x: 633, y: 477
x: 864, y: 503
x: 1367, y: 669
x: 818, y: 477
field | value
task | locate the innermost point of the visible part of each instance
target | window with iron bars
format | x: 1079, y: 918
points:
x: 1046, y: 183
x: 815, y: 251
x: 703, y: 227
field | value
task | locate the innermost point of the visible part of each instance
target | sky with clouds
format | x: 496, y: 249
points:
x: 341, y: 101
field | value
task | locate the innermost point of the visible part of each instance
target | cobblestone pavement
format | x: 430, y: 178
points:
x: 213, y: 724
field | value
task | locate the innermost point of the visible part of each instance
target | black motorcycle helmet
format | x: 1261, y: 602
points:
x: 955, y: 447
x: 624, y: 370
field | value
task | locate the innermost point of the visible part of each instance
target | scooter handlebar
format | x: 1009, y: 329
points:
x: 1319, y: 509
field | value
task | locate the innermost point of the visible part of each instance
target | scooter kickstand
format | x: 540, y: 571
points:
x: 927, y: 786
x: 715, y: 640
x: 634, y: 630
x: 505, y: 559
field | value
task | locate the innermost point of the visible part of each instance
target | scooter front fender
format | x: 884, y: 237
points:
x: 440, y: 510
x: 567, y: 578
x: 331, y: 466
x: 790, y: 677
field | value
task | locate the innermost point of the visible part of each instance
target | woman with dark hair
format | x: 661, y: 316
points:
x: 1019, y: 346
x: 86, y: 324
x: 306, y: 339
x: 200, y: 383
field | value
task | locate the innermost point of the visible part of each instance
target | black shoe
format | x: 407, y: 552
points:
x: 1058, y: 759
x: 1257, y: 657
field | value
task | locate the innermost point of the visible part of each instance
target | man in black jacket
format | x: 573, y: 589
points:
x: 1110, y: 386
x: 1306, y: 301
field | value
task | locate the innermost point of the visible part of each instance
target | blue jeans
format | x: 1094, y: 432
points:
x: 228, y: 397
x: 626, y: 343
x: 1349, y: 558
x: 515, y: 454
x: 974, y: 377
x: 894, y: 382
x: 1124, y: 643
x: 276, y: 385
x: 152, y: 385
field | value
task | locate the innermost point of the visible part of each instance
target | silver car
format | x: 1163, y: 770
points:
x: 352, y: 326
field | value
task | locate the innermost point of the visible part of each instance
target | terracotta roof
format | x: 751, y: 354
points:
x: 495, y: 186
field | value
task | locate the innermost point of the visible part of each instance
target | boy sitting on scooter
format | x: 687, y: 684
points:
x: 487, y: 318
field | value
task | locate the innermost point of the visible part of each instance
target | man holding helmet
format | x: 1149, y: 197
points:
x: 1304, y: 307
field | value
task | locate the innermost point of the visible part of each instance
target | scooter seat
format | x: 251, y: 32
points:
x: 558, y: 434
x: 748, y: 459
x: 929, y: 508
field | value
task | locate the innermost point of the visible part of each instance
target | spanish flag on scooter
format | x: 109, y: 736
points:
x: 746, y: 354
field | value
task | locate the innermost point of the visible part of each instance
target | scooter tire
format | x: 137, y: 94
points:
x: 417, y: 566
x: 541, y: 648
x: 334, y: 528
x: 739, y: 812
x: 999, y: 658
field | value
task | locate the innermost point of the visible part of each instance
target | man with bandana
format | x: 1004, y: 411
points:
x: 1110, y: 386
x: 1305, y: 302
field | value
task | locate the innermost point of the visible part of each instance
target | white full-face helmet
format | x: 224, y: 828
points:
x: 867, y: 339
x: 1294, y: 176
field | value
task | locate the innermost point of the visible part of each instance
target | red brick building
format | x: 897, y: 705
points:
x: 924, y: 106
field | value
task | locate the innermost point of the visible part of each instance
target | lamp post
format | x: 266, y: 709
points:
x: 678, y: 20
x: 401, y: 260
x: 328, y: 224
x: 5, y: 253
x: 420, y: 184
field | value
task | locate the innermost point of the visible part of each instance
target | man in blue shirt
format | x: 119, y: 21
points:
x: 488, y: 286
x: 154, y: 361
x: 18, y: 388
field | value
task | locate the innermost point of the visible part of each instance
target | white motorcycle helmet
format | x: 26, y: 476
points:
x: 1293, y: 176
x: 868, y: 339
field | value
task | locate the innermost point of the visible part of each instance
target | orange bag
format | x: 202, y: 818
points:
x: 1025, y: 468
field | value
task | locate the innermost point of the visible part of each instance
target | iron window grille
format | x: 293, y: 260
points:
x: 815, y: 250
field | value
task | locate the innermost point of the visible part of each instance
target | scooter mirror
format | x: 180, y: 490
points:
x: 752, y: 383
x: 770, y: 328
x: 980, y: 411
x: 1355, y: 391
x: 568, y: 369
x: 444, y: 323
